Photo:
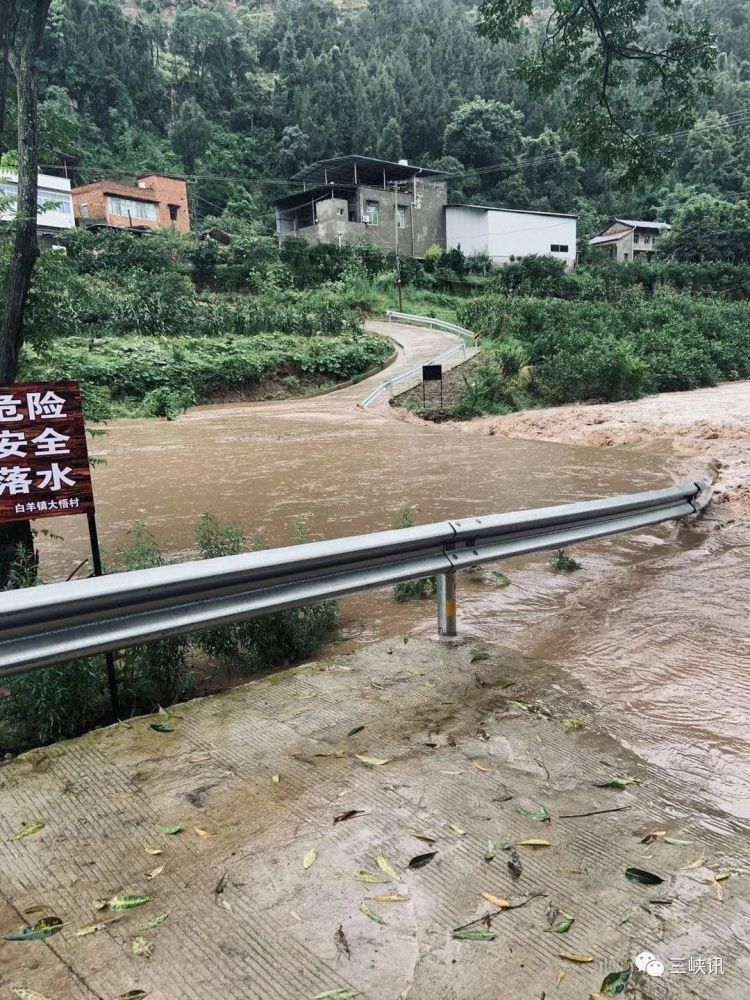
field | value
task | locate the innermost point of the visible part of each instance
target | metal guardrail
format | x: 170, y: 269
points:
x: 467, y: 339
x: 59, y: 622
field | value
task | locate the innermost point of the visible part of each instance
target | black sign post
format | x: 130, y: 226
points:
x: 432, y: 373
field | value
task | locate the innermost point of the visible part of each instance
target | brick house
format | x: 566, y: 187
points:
x: 155, y: 201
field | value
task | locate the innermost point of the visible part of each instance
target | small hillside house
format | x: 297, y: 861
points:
x: 629, y: 239
x: 352, y: 200
x: 155, y: 201
x: 53, y: 201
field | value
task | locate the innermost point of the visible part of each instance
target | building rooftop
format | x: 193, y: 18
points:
x: 515, y: 211
x: 314, y: 194
x: 343, y: 170
x: 609, y: 238
x: 640, y: 224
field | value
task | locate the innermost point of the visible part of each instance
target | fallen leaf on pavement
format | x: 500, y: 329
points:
x: 457, y: 830
x: 369, y: 878
x: 676, y: 842
x: 126, y: 902
x: 615, y: 983
x: 390, y: 899
x: 372, y: 761
x: 514, y: 865
x: 534, y: 843
x: 497, y: 901
x: 93, y: 928
x: 24, y: 994
x: 341, y: 943
x: 162, y: 727
x: 560, y: 976
x: 540, y: 815
x: 350, y: 814
x: 475, y: 935
x: 357, y: 729
x: 575, y: 956
x: 141, y: 947
x: 337, y: 995
x: 26, y: 831
x: 386, y: 865
x: 370, y: 913
x: 275, y: 779
x: 132, y: 995
x: 644, y: 877
x: 309, y: 858
x: 155, y: 872
x: 572, y: 725
x: 39, y: 931
x: 422, y: 859
x: 153, y: 850
x: 203, y: 834
x: 152, y: 922
x: 618, y: 783
x: 169, y: 828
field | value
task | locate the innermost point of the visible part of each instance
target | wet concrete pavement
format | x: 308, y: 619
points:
x: 246, y: 918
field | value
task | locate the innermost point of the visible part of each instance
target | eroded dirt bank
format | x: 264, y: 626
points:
x: 330, y: 828
x: 711, y: 422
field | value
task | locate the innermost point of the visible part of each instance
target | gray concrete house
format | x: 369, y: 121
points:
x: 629, y: 239
x: 352, y: 200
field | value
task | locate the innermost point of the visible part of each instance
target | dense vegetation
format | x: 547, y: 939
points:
x: 241, y: 95
x: 57, y: 703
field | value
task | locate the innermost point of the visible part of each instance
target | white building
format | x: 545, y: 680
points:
x: 53, y: 198
x: 503, y: 233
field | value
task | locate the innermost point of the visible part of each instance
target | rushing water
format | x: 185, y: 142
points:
x: 655, y: 626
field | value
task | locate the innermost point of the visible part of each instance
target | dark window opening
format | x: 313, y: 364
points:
x: 173, y: 210
x: 559, y: 248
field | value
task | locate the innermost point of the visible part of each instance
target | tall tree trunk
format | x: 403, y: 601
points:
x: 23, y: 28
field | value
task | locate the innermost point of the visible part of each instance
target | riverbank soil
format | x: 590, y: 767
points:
x: 339, y: 822
x: 711, y: 422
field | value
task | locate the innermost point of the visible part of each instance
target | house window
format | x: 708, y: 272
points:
x: 373, y: 213
x: 130, y: 207
x: 401, y: 217
x: 559, y: 248
x: 636, y: 238
x: 173, y: 210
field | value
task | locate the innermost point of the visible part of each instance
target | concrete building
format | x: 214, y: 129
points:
x: 503, y: 233
x: 627, y: 239
x: 353, y: 200
x: 53, y: 199
x: 155, y: 201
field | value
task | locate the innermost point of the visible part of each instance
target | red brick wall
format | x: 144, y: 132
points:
x: 164, y: 191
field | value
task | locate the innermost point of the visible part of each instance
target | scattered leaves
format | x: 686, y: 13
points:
x: 28, y: 830
x: 125, y: 902
x: 615, y: 983
x: 169, y: 828
x: 422, y: 859
x: 501, y: 578
x: 337, y: 995
x: 474, y: 935
x: 93, y: 928
x: 341, y: 943
x: 572, y: 725
x: 40, y: 931
x: 309, y: 858
x: 459, y: 831
x: 357, y: 729
x: 644, y: 877
x: 386, y: 865
x: 141, y: 947
x: 153, y: 850
x: 203, y: 834
x: 676, y: 842
x: 576, y: 956
x: 372, y: 761
x: 535, y: 843
x: 369, y: 878
x: 539, y: 815
x: 350, y: 814
x: 698, y: 863
x: 498, y: 901
x: 618, y: 783
x: 370, y: 913
x: 514, y: 865
x: 563, y: 925
x: 162, y: 727
x: 152, y: 922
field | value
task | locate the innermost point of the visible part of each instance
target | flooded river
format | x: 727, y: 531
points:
x: 654, y: 627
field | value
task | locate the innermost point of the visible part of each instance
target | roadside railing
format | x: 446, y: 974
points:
x: 59, y: 622
x: 414, y: 375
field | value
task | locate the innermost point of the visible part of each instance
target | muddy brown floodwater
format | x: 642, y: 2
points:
x: 654, y: 627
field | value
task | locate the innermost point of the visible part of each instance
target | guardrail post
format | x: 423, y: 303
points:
x: 446, y: 603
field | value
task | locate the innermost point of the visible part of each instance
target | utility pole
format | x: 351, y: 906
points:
x: 399, y: 286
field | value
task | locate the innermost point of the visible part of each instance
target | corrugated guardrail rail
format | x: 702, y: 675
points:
x: 468, y: 339
x: 55, y: 623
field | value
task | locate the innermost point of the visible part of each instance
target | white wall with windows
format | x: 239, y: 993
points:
x: 505, y: 233
x: 131, y: 208
x: 54, y: 201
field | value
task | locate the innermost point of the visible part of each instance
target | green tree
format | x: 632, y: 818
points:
x: 485, y: 133
x: 191, y: 133
x: 709, y: 228
x: 629, y: 84
x: 390, y: 146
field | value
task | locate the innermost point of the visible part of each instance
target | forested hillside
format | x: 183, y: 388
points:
x: 240, y: 95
